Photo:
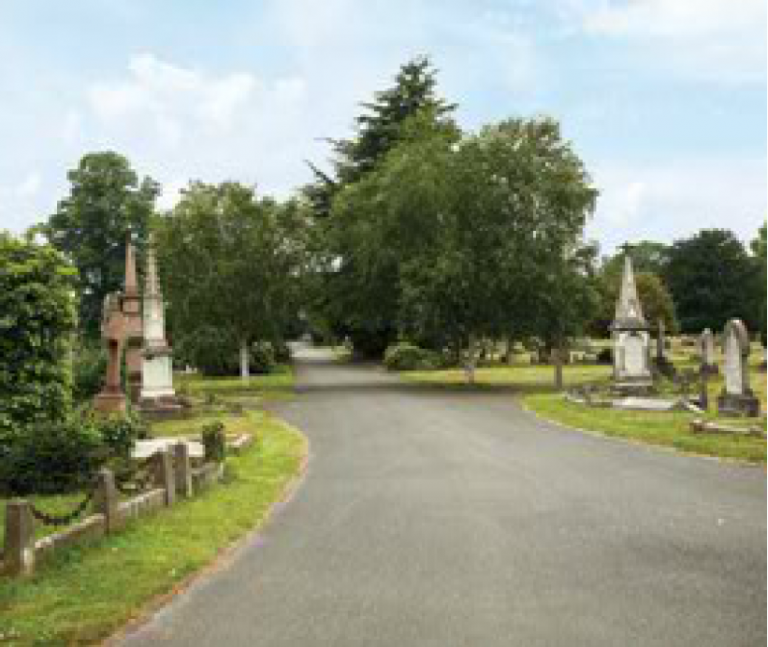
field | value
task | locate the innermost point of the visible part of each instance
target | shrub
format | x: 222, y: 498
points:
x: 120, y: 432
x: 52, y: 457
x: 37, y: 319
x: 214, y: 441
x: 217, y: 354
x: 407, y: 357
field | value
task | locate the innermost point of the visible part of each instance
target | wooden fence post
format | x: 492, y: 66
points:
x: 183, y: 470
x: 105, y: 500
x: 19, y: 553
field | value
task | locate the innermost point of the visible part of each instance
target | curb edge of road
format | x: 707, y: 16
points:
x: 223, y: 559
x: 637, y: 443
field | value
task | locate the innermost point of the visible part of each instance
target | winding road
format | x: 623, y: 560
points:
x: 430, y: 517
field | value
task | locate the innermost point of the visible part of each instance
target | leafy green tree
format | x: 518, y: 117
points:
x: 360, y: 283
x: 228, y: 263
x: 106, y: 204
x: 506, y: 211
x: 37, y: 321
x: 647, y: 256
x: 712, y: 279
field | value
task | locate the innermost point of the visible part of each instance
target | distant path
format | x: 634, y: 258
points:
x: 436, y: 518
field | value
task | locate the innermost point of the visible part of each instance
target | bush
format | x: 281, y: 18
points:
x: 88, y: 369
x: 120, y: 432
x: 55, y: 457
x: 407, y: 357
x: 52, y: 457
x: 37, y: 319
x: 217, y: 354
x: 214, y: 441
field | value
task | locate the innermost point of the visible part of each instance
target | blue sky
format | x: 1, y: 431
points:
x: 665, y: 100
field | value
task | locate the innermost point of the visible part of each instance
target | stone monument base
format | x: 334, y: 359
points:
x: 110, y: 402
x: 738, y: 405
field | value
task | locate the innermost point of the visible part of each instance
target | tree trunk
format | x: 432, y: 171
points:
x: 557, y: 357
x: 510, y: 351
x: 470, y: 361
x: 245, y: 369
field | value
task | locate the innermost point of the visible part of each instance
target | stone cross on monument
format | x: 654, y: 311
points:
x: 631, y: 340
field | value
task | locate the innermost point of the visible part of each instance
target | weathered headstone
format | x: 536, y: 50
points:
x: 663, y: 364
x: 631, y: 341
x: 737, y: 398
x: 156, y: 366
x: 707, y: 352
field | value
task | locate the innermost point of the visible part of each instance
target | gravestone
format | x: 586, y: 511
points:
x: 131, y: 307
x: 156, y: 366
x: 631, y: 340
x: 707, y: 352
x: 663, y: 364
x: 737, y: 398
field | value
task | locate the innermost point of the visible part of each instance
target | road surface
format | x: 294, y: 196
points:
x: 430, y: 517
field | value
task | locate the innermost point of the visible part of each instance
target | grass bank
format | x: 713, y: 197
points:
x: 534, y: 385
x: 85, y: 593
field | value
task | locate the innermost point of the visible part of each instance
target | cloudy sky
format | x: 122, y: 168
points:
x: 665, y: 100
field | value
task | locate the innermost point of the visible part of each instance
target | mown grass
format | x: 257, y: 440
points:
x: 85, y: 593
x: 535, y: 385
x: 276, y: 384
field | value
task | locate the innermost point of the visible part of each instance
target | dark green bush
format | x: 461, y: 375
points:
x: 120, y: 432
x: 52, y: 457
x: 405, y: 356
x: 216, y: 354
x: 214, y: 441
x: 37, y: 319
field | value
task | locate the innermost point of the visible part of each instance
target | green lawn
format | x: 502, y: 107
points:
x: 276, y: 384
x: 87, y: 592
x: 534, y: 384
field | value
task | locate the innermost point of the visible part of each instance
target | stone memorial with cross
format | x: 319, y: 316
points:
x: 631, y: 339
x: 737, y: 398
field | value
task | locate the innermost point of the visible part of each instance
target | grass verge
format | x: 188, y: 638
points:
x: 85, y: 593
x: 669, y: 429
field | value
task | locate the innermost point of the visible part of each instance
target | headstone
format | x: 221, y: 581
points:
x: 737, y: 398
x: 663, y: 365
x: 707, y: 352
x: 631, y: 340
x: 156, y: 366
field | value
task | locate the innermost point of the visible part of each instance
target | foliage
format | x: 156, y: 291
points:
x: 107, y: 204
x: 52, y: 457
x: 647, y: 256
x: 408, y: 357
x: 119, y: 432
x: 759, y: 248
x: 215, y: 353
x: 89, y: 363
x: 712, y: 279
x: 229, y: 263
x: 357, y: 291
x: 37, y: 320
x: 214, y: 441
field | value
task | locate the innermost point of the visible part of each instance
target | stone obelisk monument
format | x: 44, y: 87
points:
x: 631, y: 340
x: 156, y: 366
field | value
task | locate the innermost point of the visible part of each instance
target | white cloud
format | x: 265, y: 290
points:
x: 708, y: 40
x: 670, y: 199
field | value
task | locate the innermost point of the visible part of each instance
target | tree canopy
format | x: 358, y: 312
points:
x: 107, y: 204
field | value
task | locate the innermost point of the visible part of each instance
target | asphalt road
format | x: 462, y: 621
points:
x: 440, y: 518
